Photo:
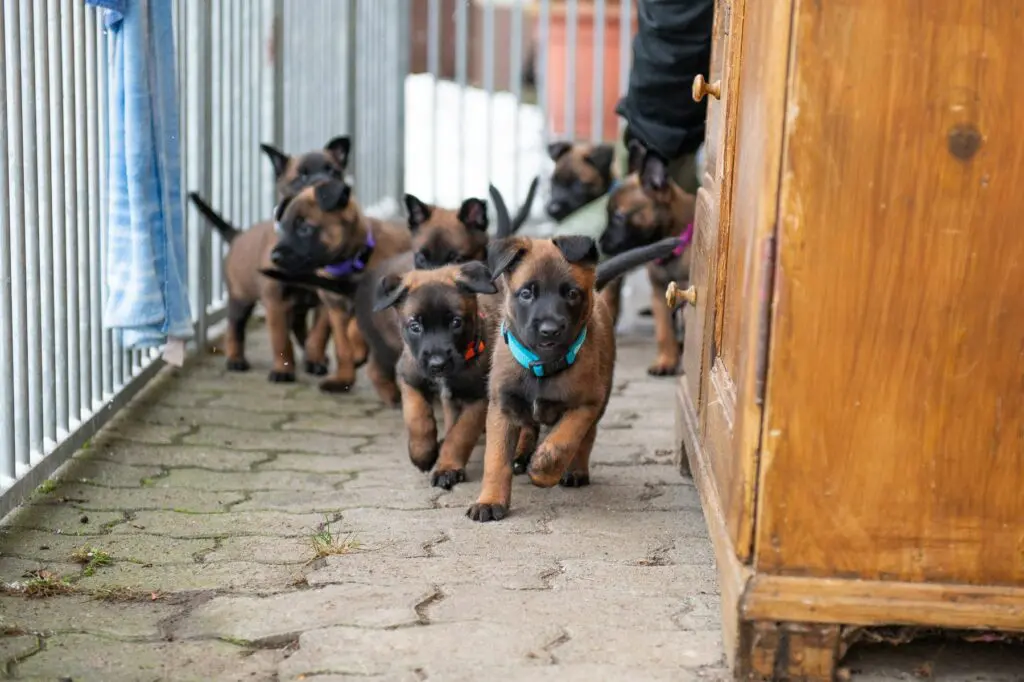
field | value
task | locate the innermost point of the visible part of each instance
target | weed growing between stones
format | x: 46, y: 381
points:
x: 327, y: 543
x: 39, y: 585
x: 91, y: 559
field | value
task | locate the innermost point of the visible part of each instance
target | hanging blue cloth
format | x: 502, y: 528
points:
x: 146, y: 261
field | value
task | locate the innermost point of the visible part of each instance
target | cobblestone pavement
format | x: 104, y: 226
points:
x: 225, y: 528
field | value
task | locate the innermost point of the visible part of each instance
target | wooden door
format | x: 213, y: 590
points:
x: 894, y: 435
x: 733, y: 361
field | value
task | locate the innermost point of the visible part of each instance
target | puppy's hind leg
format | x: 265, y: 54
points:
x: 383, y: 382
x: 458, y: 445
x: 238, y: 317
x: 524, y: 449
x: 315, y: 345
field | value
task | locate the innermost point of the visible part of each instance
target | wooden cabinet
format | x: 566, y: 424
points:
x: 852, y: 409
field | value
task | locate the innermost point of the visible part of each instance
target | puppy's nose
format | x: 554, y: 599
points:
x: 549, y: 329
x: 555, y: 207
x: 437, y: 363
x: 277, y: 258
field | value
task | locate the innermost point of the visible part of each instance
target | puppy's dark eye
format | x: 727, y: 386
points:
x: 573, y: 295
x: 525, y: 294
x: 420, y: 259
x: 456, y: 323
x: 414, y: 327
x: 304, y: 230
x: 455, y: 258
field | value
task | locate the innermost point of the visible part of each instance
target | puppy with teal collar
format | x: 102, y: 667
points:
x: 553, y: 365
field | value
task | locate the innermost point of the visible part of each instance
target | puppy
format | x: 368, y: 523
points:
x: 287, y: 307
x: 440, y: 237
x: 448, y: 324
x: 645, y: 207
x: 554, y: 364
x: 323, y: 229
x: 582, y: 174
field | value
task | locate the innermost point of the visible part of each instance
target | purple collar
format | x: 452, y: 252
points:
x: 356, y: 263
x: 685, y: 239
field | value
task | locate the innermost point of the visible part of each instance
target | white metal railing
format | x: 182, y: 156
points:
x: 251, y: 71
x: 248, y: 71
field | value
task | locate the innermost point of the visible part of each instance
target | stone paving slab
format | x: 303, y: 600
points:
x: 269, y: 532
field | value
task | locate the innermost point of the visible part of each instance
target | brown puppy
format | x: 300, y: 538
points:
x: 645, y: 207
x: 249, y: 251
x: 323, y: 229
x: 582, y: 174
x: 440, y: 237
x: 554, y: 367
x: 448, y: 325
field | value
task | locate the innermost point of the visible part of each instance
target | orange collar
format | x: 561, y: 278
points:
x: 477, y: 346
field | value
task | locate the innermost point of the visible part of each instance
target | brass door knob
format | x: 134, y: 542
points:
x: 701, y: 88
x: 675, y: 297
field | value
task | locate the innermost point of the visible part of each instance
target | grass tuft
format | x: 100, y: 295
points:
x: 91, y: 559
x: 39, y: 585
x: 327, y: 543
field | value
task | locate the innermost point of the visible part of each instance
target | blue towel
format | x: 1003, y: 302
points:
x: 146, y: 261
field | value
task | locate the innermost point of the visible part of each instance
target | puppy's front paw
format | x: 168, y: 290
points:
x: 336, y: 385
x: 424, y: 455
x: 574, y: 479
x: 317, y: 369
x: 546, y: 467
x: 484, y: 512
x: 276, y: 377
x: 238, y: 365
x: 447, y: 479
x: 662, y: 368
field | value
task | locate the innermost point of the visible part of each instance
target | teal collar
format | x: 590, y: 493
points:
x: 528, y: 359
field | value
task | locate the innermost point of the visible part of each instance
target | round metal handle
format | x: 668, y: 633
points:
x: 675, y: 297
x: 701, y: 88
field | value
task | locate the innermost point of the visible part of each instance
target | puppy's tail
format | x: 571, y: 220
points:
x: 227, y: 231
x: 508, y: 226
x: 345, y: 287
x: 616, y: 266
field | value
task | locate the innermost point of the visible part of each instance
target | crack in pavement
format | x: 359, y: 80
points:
x: 429, y: 545
x: 435, y: 596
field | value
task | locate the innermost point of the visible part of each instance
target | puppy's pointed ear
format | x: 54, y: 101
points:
x: 473, y: 214
x: 601, y: 158
x: 332, y: 195
x: 340, y: 148
x: 419, y: 212
x: 475, y: 278
x: 277, y: 157
x: 577, y: 249
x: 503, y: 255
x: 280, y: 208
x: 637, y: 151
x: 653, y: 173
x: 390, y: 292
x: 557, y: 150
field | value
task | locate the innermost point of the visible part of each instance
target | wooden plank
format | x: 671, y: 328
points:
x: 732, y: 575
x: 732, y: 414
x: 870, y: 602
x: 894, y: 434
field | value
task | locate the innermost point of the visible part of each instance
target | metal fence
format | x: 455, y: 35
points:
x: 440, y: 97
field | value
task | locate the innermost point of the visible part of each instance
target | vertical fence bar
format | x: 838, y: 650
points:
x: 7, y: 383
x: 202, y: 147
x: 248, y: 112
x: 434, y: 67
x: 541, y: 63
x: 32, y: 229
x: 489, y: 84
x: 571, y: 36
x: 16, y: 179
x: 70, y: 204
x: 515, y: 77
x: 87, y: 370
x: 403, y: 49
x: 625, y: 48
x: 48, y: 373
x: 597, y: 103
x: 57, y: 254
x: 461, y: 32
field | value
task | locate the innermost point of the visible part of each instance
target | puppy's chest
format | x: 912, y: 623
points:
x: 531, y: 402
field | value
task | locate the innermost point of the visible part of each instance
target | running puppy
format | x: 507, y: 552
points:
x: 323, y: 229
x: 645, y: 207
x: 447, y: 322
x: 249, y: 250
x: 554, y: 365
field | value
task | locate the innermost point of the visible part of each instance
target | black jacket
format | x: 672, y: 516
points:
x: 672, y: 45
